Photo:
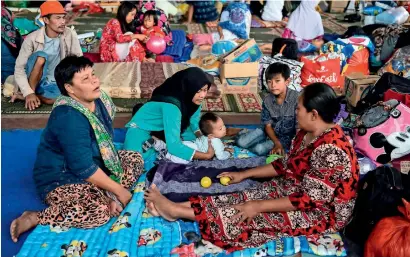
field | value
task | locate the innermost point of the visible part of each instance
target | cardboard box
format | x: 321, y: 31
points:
x: 338, y: 6
x: 239, y: 78
x: 357, y: 86
x: 246, y: 52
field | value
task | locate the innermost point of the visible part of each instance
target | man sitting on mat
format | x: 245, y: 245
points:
x: 40, y: 53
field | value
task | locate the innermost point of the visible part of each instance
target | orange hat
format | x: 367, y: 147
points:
x: 51, y: 7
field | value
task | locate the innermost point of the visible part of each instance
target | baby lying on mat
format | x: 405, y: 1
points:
x: 212, y: 128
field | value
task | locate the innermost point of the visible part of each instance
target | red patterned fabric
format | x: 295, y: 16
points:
x: 320, y: 180
x: 111, y: 35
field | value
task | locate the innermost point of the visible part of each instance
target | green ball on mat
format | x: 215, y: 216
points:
x: 273, y: 157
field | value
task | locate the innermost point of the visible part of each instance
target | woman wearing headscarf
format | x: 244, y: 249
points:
x: 10, y: 43
x: 305, y: 24
x: 171, y: 115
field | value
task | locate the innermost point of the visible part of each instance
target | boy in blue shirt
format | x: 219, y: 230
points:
x: 278, y: 116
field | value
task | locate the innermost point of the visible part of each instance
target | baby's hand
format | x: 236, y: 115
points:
x: 231, y: 150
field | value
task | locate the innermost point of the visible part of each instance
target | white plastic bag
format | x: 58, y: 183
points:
x: 397, y: 15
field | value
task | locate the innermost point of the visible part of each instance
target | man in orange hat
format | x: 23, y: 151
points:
x: 40, y: 53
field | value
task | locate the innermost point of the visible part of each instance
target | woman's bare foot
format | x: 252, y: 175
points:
x: 115, y: 208
x: 165, y: 207
x: 25, y: 222
x: 151, y: 209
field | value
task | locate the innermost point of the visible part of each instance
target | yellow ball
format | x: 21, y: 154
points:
x: 225, y: 180
x: 206, y: 182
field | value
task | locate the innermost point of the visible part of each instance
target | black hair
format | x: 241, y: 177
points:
x: 124, y: 9
x: 206, y: 122
x: 286, y: 46
x: 152, y: 13
x: 354, y: 31
x: 136, y: 108
x: 277, y: 68
x: 65, y: 70
x: 322, y: 98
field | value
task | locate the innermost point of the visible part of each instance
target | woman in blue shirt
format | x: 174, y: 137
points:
x: 78, y: 172
x: 171, y: 115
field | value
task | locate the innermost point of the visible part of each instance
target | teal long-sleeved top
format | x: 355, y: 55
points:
x: 160, y: 116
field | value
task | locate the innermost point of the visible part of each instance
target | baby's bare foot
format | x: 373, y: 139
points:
x: 25, y: 222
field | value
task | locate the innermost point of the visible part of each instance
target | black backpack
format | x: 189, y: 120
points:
x: 375, y: 94
x: 380, y: 193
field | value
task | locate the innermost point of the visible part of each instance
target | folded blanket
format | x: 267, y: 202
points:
x: 178, y: 182
x: 176, y: 50
x: 246, y: 163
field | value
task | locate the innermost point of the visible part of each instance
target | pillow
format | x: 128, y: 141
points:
x: 295, y: 71
x: 234, y: 19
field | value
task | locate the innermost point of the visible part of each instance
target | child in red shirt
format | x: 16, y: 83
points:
x: 151, y: 28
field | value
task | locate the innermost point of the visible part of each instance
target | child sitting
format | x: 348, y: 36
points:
x: 278, y: 116
x: 150, y: 28
x: 212, y: 128
x: 234, y: 25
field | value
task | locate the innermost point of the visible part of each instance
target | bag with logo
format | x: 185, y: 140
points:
x: 382, y: 133
x: 379, y: 194
x: 323, y: 68
x: 387, y: 81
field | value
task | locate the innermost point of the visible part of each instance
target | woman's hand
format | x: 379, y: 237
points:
x: 140, y: 37
x: 278, y: 149
x: 228, y: 149
x: 124, y: 196
x: 247, y: 211
x: 236, y: 177
x: 211, y: 150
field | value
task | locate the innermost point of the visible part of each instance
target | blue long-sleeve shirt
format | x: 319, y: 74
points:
x: 68, y: 152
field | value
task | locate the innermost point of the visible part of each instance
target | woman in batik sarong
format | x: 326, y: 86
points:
x: 313, y: 190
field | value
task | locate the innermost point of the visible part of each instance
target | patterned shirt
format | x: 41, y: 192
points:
x: 281, y: 117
